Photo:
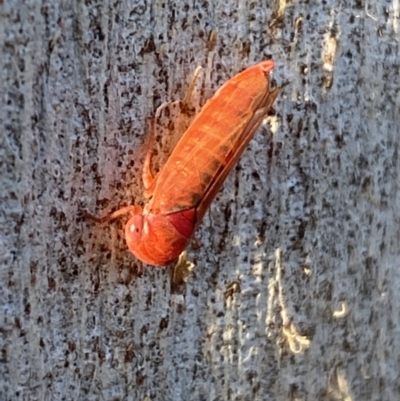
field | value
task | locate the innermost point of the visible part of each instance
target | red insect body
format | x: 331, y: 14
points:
x: 197, y: 167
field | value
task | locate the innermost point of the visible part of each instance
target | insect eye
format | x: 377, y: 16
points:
x: 134, y: 229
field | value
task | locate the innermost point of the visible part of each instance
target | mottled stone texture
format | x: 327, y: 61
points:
x: 295, y: 290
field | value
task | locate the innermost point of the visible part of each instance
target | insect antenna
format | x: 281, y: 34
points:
x: 113, y: 215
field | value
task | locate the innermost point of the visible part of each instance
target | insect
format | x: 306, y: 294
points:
x: 180, y: 194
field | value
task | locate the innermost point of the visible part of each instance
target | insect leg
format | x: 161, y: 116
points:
x: 147, y: 175
x: 148, y: 178
x: 189, y: 92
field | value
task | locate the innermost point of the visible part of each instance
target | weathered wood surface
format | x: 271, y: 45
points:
x: 307, y: 224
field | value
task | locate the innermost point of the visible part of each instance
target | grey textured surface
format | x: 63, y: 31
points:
x: 307, y: 224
